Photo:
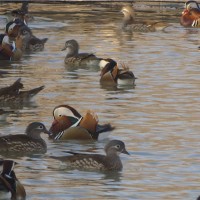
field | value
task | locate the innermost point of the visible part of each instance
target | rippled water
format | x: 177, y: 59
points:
x: 158, y: 119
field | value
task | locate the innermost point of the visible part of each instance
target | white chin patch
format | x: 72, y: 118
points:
x: 11, y: 27
x: 103, y: 63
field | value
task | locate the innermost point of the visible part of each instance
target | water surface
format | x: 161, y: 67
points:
x: 158, y: 119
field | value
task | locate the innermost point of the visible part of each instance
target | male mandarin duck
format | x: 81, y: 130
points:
x: 69, y: 124
x: 28, y: 143
x: 190, y: 15
x: 75, y: 58
x: 111, y: 74
x: 13, y: 93
x: 10, y: 51
x: 130, y: 24
x: 109, y: 162
x: 9, y: 183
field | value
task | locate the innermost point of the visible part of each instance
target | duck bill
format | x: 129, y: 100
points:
x: 125, y: 152
x: 64, y: 48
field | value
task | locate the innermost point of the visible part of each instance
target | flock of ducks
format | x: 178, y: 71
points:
x: 68, y: 123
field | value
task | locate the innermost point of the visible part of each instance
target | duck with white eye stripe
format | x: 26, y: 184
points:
x: 28, y: 143
x: 112, y: 74
x: 109, y: 162
x: 69, y: 124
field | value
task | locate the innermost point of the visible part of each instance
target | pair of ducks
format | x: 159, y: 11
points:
x: 110, y: 72
x: 9, y: 182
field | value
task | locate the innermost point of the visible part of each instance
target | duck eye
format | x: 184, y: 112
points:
x: 60, y: 115
x: 40, y: 127
x: 118, y: 146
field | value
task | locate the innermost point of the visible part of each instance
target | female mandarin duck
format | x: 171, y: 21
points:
x: 69, y: 124
x: 111, y: 74
x: 111, y: 161
x: 31, y: 42
x: 29, y: 143
x: 130, y: 24
x: 9, y: 182
x: 75, y: 58
x: 190, y: 15
x: 13, y: 93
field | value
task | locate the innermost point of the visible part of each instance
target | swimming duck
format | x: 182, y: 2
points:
x: 28, y: 143
x: 111, y: 74
x: 13, y: 92
x: 69, y: 124
x: 111, y: 161
x: 31, y: 42
x: 75, y: 58
x: 190, y: 15
x: 130, y: 24
x: 9, y: 183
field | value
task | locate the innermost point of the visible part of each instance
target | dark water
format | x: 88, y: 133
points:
x: 158, y: 119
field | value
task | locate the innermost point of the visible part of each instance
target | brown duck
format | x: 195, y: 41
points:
x: 28, y: 143
x: 111, y: 161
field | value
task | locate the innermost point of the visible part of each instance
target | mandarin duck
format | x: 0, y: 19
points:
x: 13, y: 93
x: 69, y: 124
x: 9, y: 183
x: 28, y: 143
x: 10, y: 51
x: 130, y: 24
x: 190, y: 15
x: 109, y: 162
x: 111, y: 74
x: 30, y: 42
x: 75, y: 58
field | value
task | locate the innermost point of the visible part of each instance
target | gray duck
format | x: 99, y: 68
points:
x: 28, y: 143
x: 111, y: 161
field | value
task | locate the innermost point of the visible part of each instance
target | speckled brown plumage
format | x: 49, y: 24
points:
x: 28, y: 143
x: 110, y: 161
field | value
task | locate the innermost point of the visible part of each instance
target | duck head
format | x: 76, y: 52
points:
x: 129, y: 14
x: 34, y: 130
x: 115, y: 147
x: 110, y: 71
x: 72, y: 47
x: 12, y: 29
x: 64, y: 117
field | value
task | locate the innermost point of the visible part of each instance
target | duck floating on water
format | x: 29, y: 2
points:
x: 130, y: 23
x: 68, y: 124
x: 109, y: 162
x: 191, y: 15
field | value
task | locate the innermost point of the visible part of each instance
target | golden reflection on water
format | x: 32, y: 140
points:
x: 158, y: 119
